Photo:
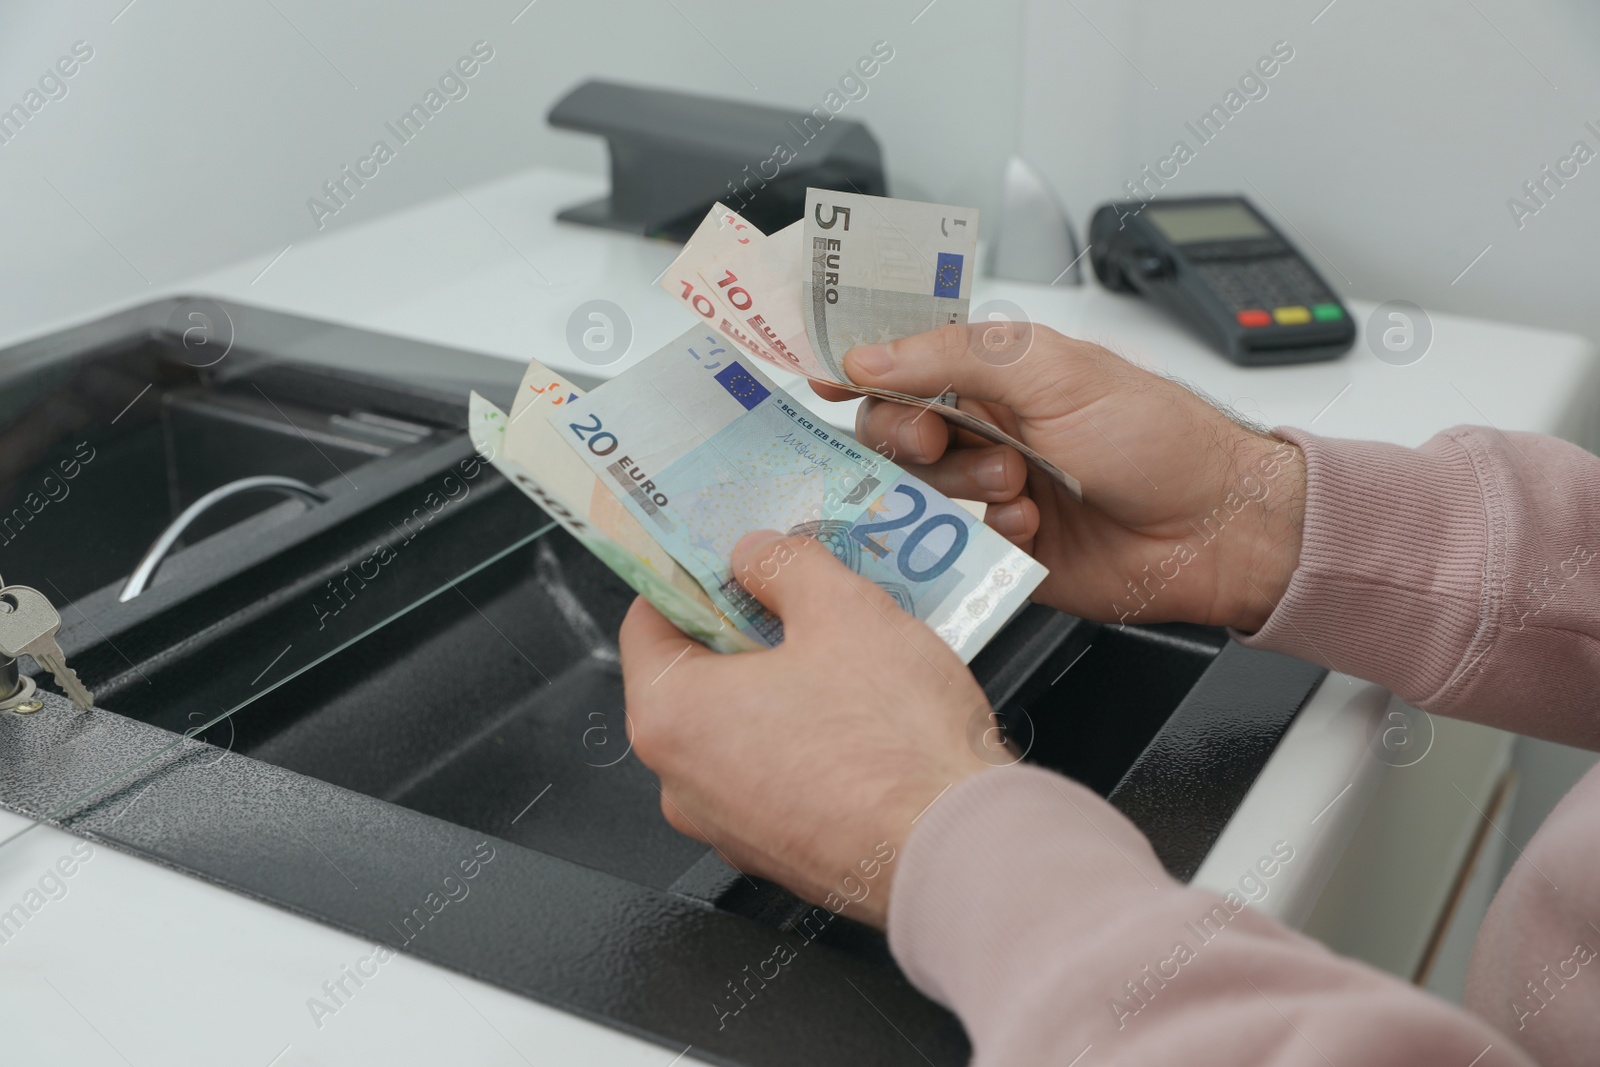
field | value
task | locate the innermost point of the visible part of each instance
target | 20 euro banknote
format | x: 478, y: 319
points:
x: 702, y: 449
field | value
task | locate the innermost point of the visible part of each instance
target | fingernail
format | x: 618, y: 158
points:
x: 872, y: 359
x: 907, y: 440
x: 990, y: 472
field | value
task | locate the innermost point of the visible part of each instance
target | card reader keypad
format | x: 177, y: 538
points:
x: 1261, y: 292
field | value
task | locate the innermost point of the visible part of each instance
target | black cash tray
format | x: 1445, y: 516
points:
x: 396, y: 738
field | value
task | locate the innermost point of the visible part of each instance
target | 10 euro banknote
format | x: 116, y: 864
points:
x: 701, y: 448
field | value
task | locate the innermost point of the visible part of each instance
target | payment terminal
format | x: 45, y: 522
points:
x: 1222, y: 268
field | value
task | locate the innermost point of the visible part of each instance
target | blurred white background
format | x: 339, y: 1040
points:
x: 1391, y: 142
x: 198, y: 131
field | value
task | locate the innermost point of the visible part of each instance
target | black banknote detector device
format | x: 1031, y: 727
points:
x: 674, y: 155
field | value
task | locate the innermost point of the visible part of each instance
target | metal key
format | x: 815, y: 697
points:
x: 28, y: 626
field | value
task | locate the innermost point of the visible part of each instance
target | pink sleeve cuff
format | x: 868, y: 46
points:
x: 1391, y: 584
x: 1461, y: 575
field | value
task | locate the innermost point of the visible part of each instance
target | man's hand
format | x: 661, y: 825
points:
x: 808, y: 763
x: 1186, y: 515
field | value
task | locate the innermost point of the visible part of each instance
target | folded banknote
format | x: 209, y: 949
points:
x: 880, y: 269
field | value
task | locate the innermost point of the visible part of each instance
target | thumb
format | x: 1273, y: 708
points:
x: 1030, y: 369
x: 800, y: 581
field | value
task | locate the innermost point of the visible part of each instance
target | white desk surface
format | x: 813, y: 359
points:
x: 138, y: 963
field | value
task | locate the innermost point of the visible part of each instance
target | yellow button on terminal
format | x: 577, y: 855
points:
x: 1291, y: 316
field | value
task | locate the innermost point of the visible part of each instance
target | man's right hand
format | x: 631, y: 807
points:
x: 1186, y: 514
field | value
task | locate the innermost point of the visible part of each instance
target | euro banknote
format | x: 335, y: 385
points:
x: 529, y: 451
x: 743, y: 284
x: 702, y: 448
x: 757, y: 290
x: 807, y: 294
x: 881, y: 269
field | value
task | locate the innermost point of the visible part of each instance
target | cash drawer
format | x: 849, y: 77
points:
x: 424, y: 662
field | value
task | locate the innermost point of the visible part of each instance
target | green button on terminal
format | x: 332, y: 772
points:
x: 1327, y: 312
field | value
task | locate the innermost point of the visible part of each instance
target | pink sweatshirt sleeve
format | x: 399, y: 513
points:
x: 1041, y: 917
x: 1461, y: 576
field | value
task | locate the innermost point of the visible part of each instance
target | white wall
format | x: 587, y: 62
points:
x: 1392, y: 140
x: 198, y: 130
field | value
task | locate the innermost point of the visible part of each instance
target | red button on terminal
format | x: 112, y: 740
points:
x: 1254, y: 317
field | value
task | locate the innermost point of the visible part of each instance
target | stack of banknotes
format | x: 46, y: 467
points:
x: 662, y: 470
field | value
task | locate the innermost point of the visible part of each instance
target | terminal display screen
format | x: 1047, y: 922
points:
x: 1207, y: 222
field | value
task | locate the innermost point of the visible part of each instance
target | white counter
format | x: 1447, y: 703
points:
x: 140, y: 963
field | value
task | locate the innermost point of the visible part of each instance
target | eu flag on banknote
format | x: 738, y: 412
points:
x: 947, y: 275
x: 742, y: 386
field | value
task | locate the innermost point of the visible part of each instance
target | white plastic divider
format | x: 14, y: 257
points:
x: 1305, y: 804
